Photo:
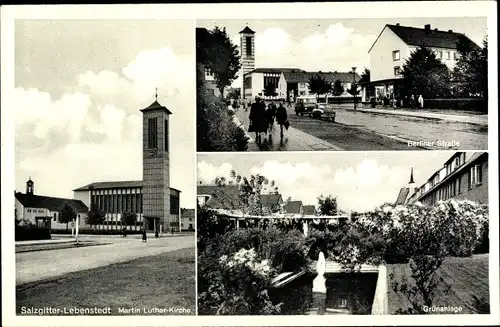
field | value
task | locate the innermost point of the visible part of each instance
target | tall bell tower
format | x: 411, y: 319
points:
x: 247, y: 46
x: 156, y: 167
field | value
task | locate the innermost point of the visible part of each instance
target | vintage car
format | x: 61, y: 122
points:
x: 325, y: 109
x: 305, y: 105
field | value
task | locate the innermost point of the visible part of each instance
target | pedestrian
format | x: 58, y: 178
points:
x: 172, y: 230
x: 156, y: 234
x: 420, y: 101
x: 282, y: 118
x: 124, y: 232
x: 144, y: 235
x: 258, y: 121
x: 412, y: 101
x: 270, y: 114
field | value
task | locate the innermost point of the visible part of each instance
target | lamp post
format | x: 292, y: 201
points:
x: 354, y: 85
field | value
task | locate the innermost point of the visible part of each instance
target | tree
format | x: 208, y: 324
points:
x: 270, y: 90
x: 67, y: 215
x: 327, y: 205
x: 95, y: 216
x: 129, y: 218
x: 221, y: 56
x: 470, y: 74
x: 319, y: 85
x: 365, y: 76
x: 424, y: 74
x: 338, y: 89
x: 234, y: 93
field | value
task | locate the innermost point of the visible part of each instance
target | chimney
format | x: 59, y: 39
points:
x: 427, y: 27
x: 397, y: 24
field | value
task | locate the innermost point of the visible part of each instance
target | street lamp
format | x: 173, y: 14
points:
x: 354, y: 85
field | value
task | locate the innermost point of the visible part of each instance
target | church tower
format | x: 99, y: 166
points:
x: 247, y: 48
x: 411, y: 183
x: 156, y: 167
x: 30, y: 187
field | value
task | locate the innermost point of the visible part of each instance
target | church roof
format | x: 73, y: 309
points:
x: 50, y: 203
x: 403, y: 194
x: 156, y: 106
x: 247, y: 30
x: 113, y: 184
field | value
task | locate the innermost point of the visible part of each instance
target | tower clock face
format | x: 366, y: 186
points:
x: 152, y: 153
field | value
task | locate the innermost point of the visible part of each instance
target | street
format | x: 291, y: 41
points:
x: 39, y: 265
x: 368, y: 131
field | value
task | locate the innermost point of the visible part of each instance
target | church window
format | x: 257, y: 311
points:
x: 166, y: 135
x: 248, y: 41
x: 152, y: 133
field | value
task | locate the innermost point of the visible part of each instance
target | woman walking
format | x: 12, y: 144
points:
x: 144, y: 235
x: 258, y: 121
x: 270, y: 114
x: 281, y: 118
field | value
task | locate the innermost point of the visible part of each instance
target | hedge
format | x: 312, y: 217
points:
x: 96, y: 231
x: 470, y: 104
x: 31, y: 233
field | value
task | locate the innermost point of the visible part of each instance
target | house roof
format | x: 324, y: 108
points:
x: 221, y: 197
x: 331, y: 77
x: 275, y: 70
x: 247, y: 30
x: 309, y: 209
x: 425, y: 38
x: 293, y: 207
x: 403, y: 194
x: 113, y: 184
x: 156, y: 106
x: 270, y: 199
x: 50, y: 203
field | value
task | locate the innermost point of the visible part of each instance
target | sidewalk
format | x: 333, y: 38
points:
x: 422, y: 113
x: 294, y: 139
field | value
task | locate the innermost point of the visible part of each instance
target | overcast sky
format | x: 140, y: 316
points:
x: 329, y: 45
x: 360, y: 180
x: 79, y: 87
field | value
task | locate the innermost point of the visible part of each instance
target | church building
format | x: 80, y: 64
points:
x: 156, y: 204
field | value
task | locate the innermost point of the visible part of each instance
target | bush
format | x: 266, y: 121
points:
x: 26, y: 233
x: 471, y: 104
x: 216, y: 130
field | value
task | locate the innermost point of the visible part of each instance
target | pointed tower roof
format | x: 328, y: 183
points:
x: 156, y: 105
x: 412, y: 181
x: 247, y: 30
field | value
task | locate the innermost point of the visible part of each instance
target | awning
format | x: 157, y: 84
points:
x: 380, y: 82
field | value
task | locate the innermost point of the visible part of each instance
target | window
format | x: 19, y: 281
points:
x: 248, y: 43
x: 395, y: 55
x: 478, y: 174
x: 174, y: 205
x: 152, y: 133
x: 397, y: 71
x: 248, y: 82
x: 448, y: 55
x: 166, y: 135
x: 470, y: 176
x: 439, y: 54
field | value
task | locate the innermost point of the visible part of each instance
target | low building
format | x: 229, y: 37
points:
x: 394, y: 45
x: 188, y: 220
x: 117, y: 197
x: 44, y: 211
x: 309, y: 210
x: 294, y: 207
x: 463, y: 177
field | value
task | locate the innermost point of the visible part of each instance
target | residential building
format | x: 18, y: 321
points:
x: 295, y: 207
x: 271, y: 202
x: 44, y: 211
x: 394, y: 45
x: 309, y: 210
x: 218, y: 197
x: 463, y: 177
x: 188, y: 220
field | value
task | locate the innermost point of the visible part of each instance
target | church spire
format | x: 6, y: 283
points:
x: 412, y: 181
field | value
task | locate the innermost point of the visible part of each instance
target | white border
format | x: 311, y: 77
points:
x: 238, y: 11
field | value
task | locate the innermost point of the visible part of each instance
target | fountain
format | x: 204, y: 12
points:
x: 319, y: 286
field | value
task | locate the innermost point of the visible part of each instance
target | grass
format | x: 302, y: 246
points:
x: 468, y: 278
x: 162, y: 281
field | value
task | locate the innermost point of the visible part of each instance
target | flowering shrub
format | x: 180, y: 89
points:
x: 235, y: 269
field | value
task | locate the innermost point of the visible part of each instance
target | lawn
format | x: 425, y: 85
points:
x: 468, y: 278
x: 163, y: 281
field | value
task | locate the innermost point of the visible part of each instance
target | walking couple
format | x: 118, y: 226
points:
x: 262, y: 120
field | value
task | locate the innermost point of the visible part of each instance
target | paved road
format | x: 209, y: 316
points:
x: 307, y: 134
x: 40, y: 265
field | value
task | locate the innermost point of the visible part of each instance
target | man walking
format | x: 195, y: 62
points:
x: 258, y: 122
x: 281, y: 118
x: 270, y: 114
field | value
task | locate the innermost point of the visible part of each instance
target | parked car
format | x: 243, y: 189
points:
x: 305, y: 105
x: 324, y: 111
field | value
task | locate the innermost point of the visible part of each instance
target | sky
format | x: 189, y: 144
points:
x: 79, y: 86
x: 329, y: 45
x: 359, y: 180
